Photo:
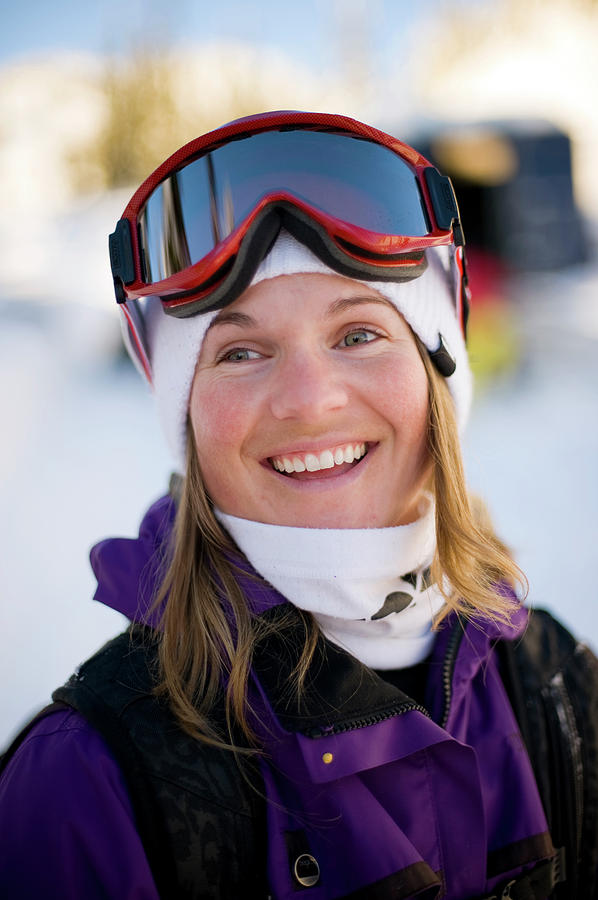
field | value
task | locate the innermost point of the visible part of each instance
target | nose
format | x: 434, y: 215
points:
x: 307, y: 387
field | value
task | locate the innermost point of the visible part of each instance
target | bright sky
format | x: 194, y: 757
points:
x: 309, y: 30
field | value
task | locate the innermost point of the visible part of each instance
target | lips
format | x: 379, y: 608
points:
x: 333, y: 457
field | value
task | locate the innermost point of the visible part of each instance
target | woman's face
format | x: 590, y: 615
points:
x: 309, y: 407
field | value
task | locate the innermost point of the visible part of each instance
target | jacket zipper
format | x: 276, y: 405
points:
x: 353, y: 724
x: 571, y: 761
x: 448, y: 668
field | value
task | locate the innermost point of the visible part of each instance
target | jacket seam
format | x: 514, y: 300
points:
x: 62, y: 730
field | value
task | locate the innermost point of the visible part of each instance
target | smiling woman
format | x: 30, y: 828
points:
x: 312, y: 409
x: 329, y: 675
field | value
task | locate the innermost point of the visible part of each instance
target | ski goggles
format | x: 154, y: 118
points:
x: 366, y: 204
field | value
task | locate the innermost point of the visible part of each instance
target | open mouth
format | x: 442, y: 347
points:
x: 332, y: 461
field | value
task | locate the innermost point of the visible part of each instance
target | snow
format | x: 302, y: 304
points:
x: 532, y: 446
x: 81, y: 459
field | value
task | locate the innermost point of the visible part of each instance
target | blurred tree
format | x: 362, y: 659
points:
x: 140, y: 127
x: 154, y: 100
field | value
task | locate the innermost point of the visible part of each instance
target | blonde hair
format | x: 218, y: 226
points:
x: 471, y: 562
x: 204, y: 647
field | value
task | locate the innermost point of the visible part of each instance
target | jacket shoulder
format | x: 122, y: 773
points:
x: 199, y: 810
x: 548, y: 648
x: 549, y: 657
x: 125, y: 662
x: 552, y: 682
x: 60, y: 787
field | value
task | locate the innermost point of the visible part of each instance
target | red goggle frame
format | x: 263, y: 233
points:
x: 367, y: 204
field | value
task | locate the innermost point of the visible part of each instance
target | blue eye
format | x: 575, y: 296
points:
x: 239, y: 354
x: 359, y: 336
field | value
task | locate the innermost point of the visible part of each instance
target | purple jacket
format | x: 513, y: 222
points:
x: 448, y: 799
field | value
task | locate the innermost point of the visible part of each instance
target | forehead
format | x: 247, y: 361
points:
x: 313, y: 295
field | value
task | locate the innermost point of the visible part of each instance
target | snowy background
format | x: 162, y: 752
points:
x: 81, y: 456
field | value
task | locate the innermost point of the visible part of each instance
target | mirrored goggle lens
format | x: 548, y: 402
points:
x: 351, y: 179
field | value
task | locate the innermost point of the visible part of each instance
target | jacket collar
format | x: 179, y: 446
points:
x: 339, y: 689
x: 129, y: 570
x: 341, y: 694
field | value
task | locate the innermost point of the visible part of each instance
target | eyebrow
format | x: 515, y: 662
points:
x: 232, y: 317
x: 349, y: 302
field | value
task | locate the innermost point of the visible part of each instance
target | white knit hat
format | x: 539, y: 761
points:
x: 426, y: 304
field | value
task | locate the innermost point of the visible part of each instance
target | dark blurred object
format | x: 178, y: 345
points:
x: 514, y: 185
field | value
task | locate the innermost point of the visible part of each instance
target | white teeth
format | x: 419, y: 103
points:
x: 327, y: 459
x: 312, y: 463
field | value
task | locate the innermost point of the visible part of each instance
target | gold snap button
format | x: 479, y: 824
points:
x: 306, y: 870
x: 327, y: 758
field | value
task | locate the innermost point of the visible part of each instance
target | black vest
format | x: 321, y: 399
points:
x: 200, y: 811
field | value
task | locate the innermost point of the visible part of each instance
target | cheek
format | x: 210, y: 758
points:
x: 218, y: 416
x: 404, y: 397
x: 219, y: 419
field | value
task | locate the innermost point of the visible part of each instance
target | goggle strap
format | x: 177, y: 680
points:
x: 464, y: 300
x: 444, y: 202
x: 122, y: 260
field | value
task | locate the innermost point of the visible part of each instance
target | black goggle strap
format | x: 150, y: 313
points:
x: 444, y: 203
x: 122, y: 260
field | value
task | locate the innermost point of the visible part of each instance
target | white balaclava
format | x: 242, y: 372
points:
x: 426, y: 303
